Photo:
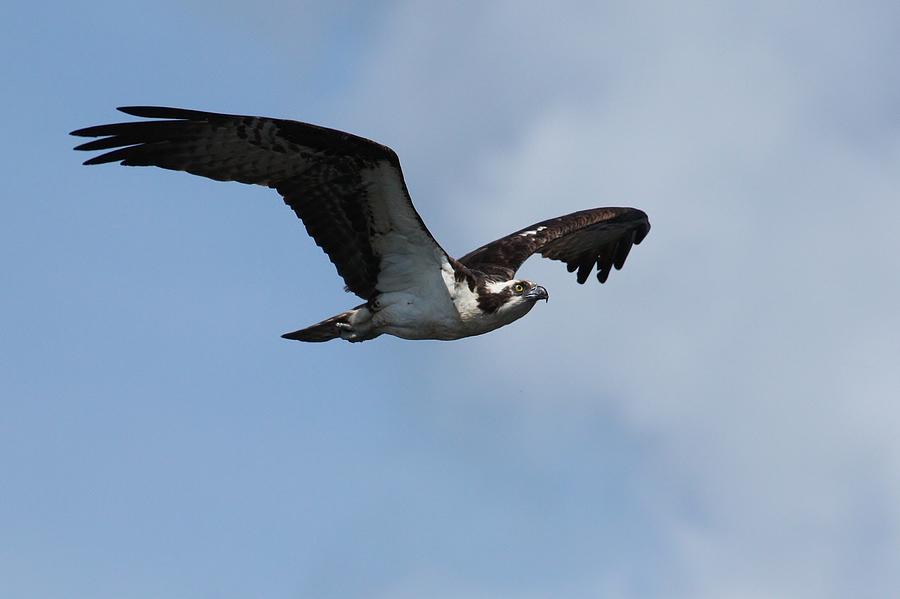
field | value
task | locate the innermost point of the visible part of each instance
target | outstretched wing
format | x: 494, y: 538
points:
x: 347, y: 190
x: 601, y: 236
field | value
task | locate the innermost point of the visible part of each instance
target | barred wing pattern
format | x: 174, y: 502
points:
x: 348, y: 191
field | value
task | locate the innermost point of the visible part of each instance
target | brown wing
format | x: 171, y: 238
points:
x: 601, y: 237
x: 348, y: 191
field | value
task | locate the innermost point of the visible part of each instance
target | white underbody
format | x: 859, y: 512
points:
x: 419, y: 296
x: 439, y: 309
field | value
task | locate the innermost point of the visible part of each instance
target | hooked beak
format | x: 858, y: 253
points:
x: 537, y: 292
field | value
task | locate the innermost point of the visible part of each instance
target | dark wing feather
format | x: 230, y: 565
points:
x: 601, y: 237
x: 346, y: 189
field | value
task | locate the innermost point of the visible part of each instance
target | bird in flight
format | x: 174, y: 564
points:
x: 350, y: 194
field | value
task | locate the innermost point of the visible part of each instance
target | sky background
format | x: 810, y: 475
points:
x: 720, y: 420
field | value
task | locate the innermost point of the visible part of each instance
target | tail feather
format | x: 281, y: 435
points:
x: 323, y: 331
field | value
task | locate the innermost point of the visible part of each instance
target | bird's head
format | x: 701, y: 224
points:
x: 527, y: 291
x: 511, y: 298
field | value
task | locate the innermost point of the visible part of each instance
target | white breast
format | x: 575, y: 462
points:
x: 418, y: 305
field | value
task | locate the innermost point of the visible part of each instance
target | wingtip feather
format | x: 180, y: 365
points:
x: 83, y: 132
x: 98, y: 160
x: 164, y: 112
x: 120, y: 155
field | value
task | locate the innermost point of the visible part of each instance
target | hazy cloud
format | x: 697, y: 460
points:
x: 753, y: 335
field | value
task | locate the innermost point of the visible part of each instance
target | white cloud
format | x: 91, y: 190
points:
x: 754, y: 336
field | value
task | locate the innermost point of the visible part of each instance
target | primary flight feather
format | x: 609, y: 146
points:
x: 350, y: 194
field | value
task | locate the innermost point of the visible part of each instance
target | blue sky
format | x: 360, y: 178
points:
x: 719, y: 420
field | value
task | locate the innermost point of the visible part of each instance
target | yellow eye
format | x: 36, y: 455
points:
x: 518, y: 287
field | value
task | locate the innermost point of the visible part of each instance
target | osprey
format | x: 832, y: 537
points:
x: 350, y: 194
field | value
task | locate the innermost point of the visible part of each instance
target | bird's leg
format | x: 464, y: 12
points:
x: 358, y: 327
x: 347, y: 331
